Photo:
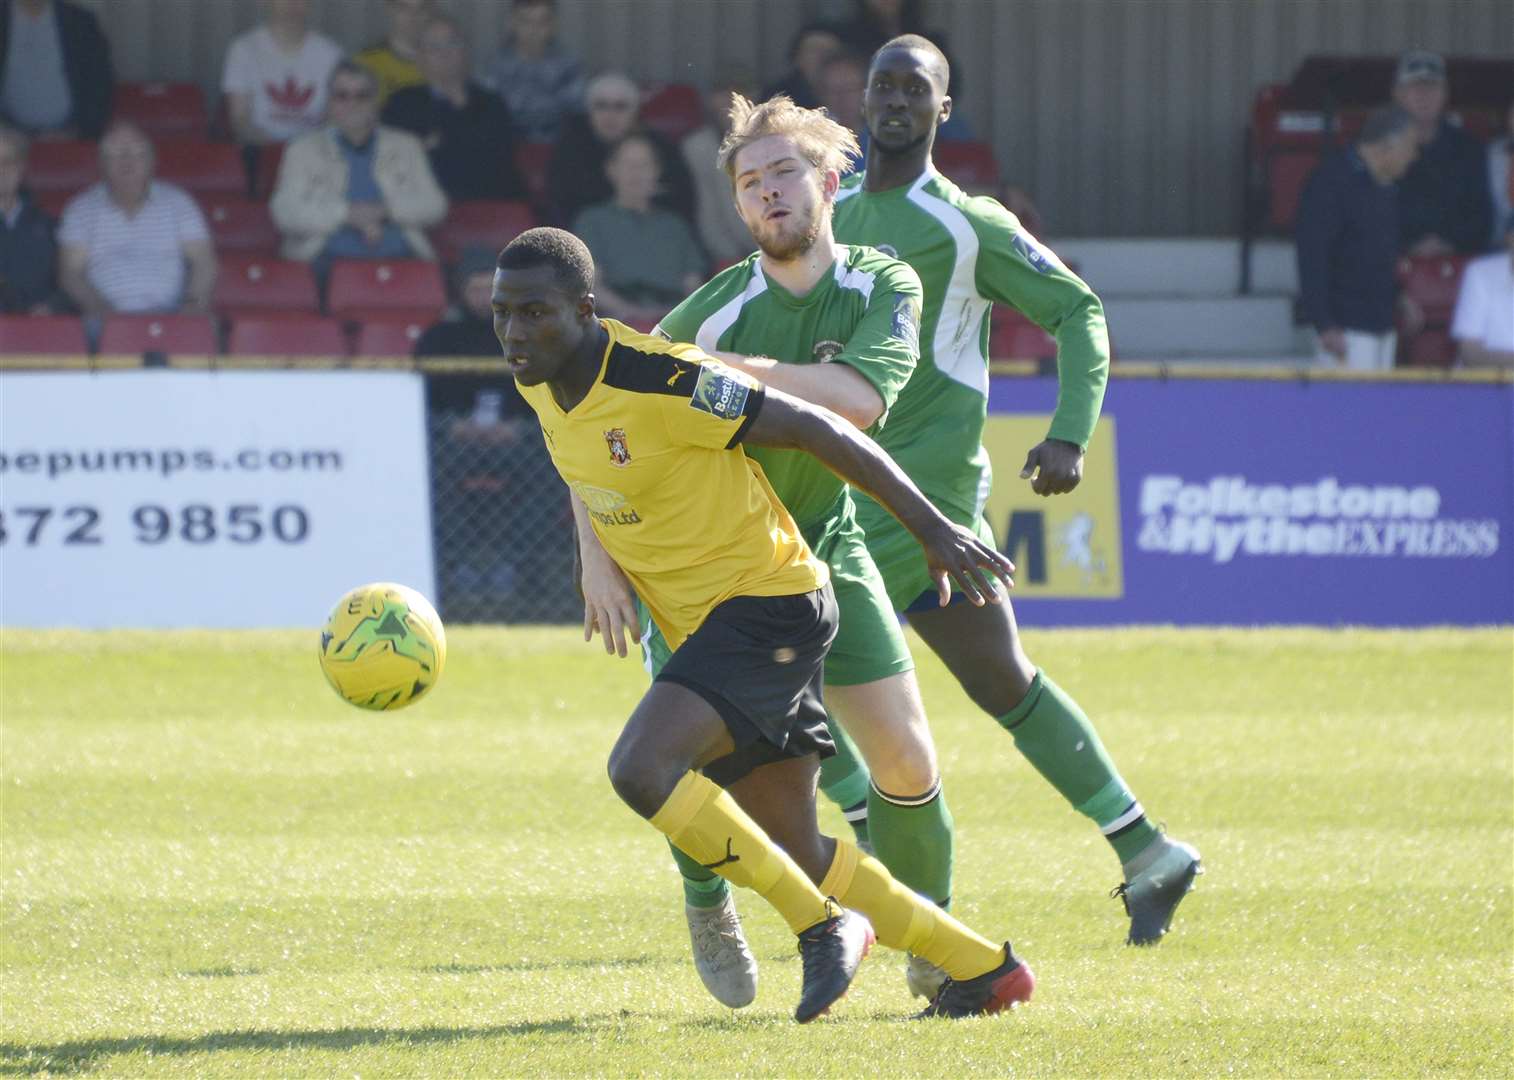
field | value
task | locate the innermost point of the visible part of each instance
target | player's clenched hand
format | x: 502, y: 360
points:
x: 609, y: 603
x: 1053, y: 467
x: 956, y: 554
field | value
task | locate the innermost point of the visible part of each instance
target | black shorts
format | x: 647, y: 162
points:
x: 760, y: 661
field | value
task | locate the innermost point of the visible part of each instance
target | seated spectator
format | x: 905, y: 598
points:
x: 645, y: 259
x: 1501, y: 174
x: 56, y: 79
x: 1483, y: 325
x: 815, y: 44
x: 28, y: 253
x: 356, y: 190
x: 132, y: 243
x: 394, y: 60
x: 540, y: 80
x: 1347, y: 240
x: 465, y: 128
x: 874, y: 22
x: 725, y: 237
x: 843, y: 81
x: 1443, y: 199
x: 276, y: 74
x: 576, y: 177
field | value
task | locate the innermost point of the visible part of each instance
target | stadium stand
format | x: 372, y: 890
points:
x: 673, y: 111
x: 531, y: 160
x: 184, y: 335
x: 254, y: 285
x: 970, y: 165
x: 287, y: 335
x: 42, y: 335
x: 360, y: 289
x: 202, y: 167
x: 69, y: 165
x: 1432, y: 283
x: 1011, y: 336
x: 239, y: 224
x: 486, y: 223
x: 388, y: 337
x: 163, y: 109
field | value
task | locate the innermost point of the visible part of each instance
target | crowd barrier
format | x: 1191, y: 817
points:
x: 244, y: 498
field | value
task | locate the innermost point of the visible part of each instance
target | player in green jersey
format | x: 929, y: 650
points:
x: 970, y: 253
x: 848, y: 319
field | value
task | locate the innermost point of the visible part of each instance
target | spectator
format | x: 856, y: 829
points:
x: 645, y: 259
x: 875, y: 21
x: 1443, y: 199
x: 1347, y: 244
x: 842, y: 83
x: 815, y: 44
x: 540, y: 81
x: 356, y: 189
x: 465, y: 128
x: 56, y: 79
x: 275, y: 76
x: 1483, y: 325
x: 28, y: 253
x: 725, y: 237
x: 1501, y: 174
x: 576, y: 177
x: 126, y: 242
x: 394, y: 60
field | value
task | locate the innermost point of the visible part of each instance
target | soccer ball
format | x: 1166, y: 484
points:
x: 383, y: 646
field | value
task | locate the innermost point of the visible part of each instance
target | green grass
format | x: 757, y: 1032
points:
x: 211, y: 866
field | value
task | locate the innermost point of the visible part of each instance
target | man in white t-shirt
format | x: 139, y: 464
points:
x: 1483, y: 325
x: 275, y: 76
x: 132, y: 243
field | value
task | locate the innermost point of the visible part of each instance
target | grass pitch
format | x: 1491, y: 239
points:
x: 212, y: 866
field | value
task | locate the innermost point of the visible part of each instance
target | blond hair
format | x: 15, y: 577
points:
x: 824, y: 143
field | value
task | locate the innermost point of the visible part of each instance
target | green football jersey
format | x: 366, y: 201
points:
x: 865, y: 314
x: 970, y: 252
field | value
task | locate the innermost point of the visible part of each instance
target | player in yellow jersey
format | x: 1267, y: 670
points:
x: 649, y: 435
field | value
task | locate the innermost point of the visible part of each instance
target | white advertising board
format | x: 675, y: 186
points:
x: 208, y: 499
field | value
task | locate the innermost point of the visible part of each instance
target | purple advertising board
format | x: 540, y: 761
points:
x: 1286, y: 501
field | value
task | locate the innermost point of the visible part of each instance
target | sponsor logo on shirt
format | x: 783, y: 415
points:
x: 907, y: 321
x: 290, y: 99
x: 719, y: 393
x: 826, y: 351
x: 1031, y: 253
x: 606, y: 506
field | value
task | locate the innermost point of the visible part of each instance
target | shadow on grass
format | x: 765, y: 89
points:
x: 83, y: 1054
x: 542, y: 965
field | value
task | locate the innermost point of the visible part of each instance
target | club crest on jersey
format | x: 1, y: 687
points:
x: 826, y: 351
x: 720, y: 392
x: 620, y: 455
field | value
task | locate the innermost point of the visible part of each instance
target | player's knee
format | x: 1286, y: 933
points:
x: 637, y: 780
x: 909, y: 774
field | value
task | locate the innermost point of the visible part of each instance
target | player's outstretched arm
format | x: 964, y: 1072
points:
x: 609, y: 603
x: 836, y: 387
x: 785, y: 422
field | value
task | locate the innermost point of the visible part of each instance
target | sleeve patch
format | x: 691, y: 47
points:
x: 907, y: 321
x: 1031, y: 253
x: 719, y: 392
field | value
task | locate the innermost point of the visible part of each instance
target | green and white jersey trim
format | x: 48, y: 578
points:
x: 712, y: 329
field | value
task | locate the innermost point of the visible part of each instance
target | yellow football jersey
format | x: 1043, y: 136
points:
x: 654, y: 452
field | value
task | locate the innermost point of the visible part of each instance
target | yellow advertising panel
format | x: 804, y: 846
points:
x: 1065, y: 545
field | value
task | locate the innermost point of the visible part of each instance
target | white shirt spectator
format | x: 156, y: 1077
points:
x: 1485, y: 304
x: 287, y: 90
x: 136, y: 263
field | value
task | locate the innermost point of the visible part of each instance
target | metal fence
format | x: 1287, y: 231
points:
x: 499, y: 511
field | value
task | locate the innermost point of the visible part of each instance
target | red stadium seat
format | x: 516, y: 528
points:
x: 52, y: 203
x: 673, y: 111
x: 266, y: 169
x: 1287, y: 173
x: 1011, y: 336
x: 42, y: 335
x: 388, y: 337
x: 531, y: 161
x: 360, y: 289
x: 163, y: 110
x: 240, y: 224
x: 969, y: 165
x: 483, y: 222
x: 62, y: 165
x: 183, y: 335
x: 1428, y: 348
x: 202, y: 167
x: 1432, y: 282
x: 289, y: 335
x: 252, y: 284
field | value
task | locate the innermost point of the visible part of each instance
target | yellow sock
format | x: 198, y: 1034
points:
x: 706, y: 824
x: 904, y: 919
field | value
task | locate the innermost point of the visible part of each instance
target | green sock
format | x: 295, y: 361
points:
x: 914, y: 838
x: 1055, y: 737
x: 701, y: 887
x: 844, y: 780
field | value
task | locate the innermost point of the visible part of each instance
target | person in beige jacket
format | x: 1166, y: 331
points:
x: 356, y: 190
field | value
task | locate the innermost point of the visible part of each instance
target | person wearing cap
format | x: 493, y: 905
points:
x: 1347, y: 244
x: 1444, y: 204
x: 1483, y: 325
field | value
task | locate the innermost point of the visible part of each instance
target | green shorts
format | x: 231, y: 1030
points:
x: 898, y: 556
x: 869, y: 643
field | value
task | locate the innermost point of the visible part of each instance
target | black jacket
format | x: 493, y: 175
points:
x: 472, y: 149
x: 576, y: 176
x: 1347, y: 240
x: 1445, y: 192
x: 28, y: 261
x: 86, y: 64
